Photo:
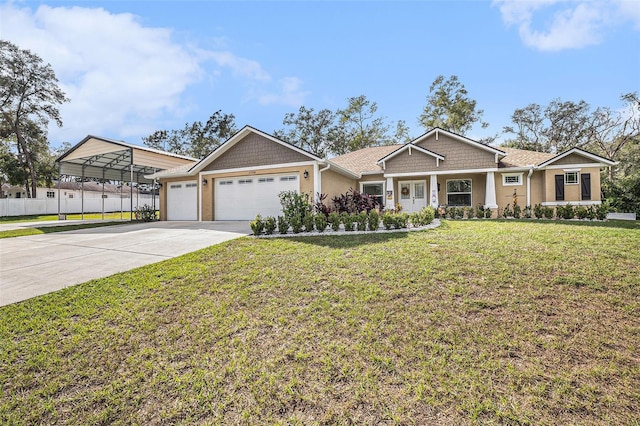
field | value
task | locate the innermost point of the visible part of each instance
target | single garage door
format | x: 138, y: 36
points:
x: 182, y: 200
x: 242, y: 198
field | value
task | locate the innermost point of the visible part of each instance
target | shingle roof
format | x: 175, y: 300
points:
x: 364, y: 160
x: 522, y: 158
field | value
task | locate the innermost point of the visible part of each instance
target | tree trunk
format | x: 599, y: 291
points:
x: 28, y: 162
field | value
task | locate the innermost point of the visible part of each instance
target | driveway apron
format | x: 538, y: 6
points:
x: 39, y: 264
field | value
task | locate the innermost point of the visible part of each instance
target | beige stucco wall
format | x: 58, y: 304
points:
x: 255, y: 150
x: 458, y: 155
x: 537, y: 187
x: 334, y: 184
x: 572, y: 193
x: 504, y: 194
x: 163, y: 192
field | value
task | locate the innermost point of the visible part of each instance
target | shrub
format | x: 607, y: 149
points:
x: 334, y: 220
x: 581, y: 212
x: 488, y: 213
x: 321, y: 222
x: 538, y: 211
x: 470, y: 212
x: 270, y: 225
x: 452, y: 212
x: 283, y: 225
x: 602, y: 210
x: 257, y: 225
x: 516, y: 211
x: 388, y: 220
x: 349, y: 221
x: 401, y: 220
x: 355, y: 202
x: 308, y: 222
x: 507, y: 212
x: 320, y: 207
x: 479, y: 211
x: 145, y: 213
x: 374, y: 220
x: 361, y: 219
x: 591, y: 213
x: 547, y: 212
x: 527, y: 212
x: 423, y: 217
x: 296, y: 224
x: 565, y: 212
x: 294, y: 205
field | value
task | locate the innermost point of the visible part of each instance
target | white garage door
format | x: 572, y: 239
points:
x: 242, y: 198
x: 182, y: 200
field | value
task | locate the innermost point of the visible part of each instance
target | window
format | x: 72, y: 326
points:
x: 176, y: 186
x: 511, y: 179
x: 225, y: 182
x: 375, y: 190
x: 244, y: 181
x: 459, y: 192
x: 70, y: 195
x: 191, y: 185
x: 571, y: 178
x: 51, y: 194
x: 287, y: 178
x: 265, y: 180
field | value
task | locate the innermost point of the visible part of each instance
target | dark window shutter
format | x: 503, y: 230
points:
x: 559, y: 187
x: 585, y: 186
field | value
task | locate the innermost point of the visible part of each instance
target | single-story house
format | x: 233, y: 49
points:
x: 243, y: 176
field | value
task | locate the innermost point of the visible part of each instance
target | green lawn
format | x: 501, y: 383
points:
x: 75, y: 216
x: 22, y: 232
x: 476, y: 322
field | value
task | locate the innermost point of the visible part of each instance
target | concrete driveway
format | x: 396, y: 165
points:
x: 40, y: 264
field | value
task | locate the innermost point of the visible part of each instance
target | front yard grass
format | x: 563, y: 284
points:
x: 476, y: 322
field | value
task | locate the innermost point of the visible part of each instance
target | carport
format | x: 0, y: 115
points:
x: 112, y: 160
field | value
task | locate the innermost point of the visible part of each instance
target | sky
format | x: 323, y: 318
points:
x: 133, y: 67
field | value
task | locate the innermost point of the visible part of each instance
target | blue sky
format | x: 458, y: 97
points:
x: 132, y: 67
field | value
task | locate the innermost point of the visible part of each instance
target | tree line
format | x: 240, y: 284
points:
x: 30, y: 97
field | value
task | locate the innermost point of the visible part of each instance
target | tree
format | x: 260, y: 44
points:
x: 29, y: 98
x: 529, y: 129
x: 314, y: 132
x: 450, y: 108
x: 197, y: 139
x: 360, y: 127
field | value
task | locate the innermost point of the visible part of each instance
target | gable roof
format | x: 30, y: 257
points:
x: 437, y: 130
x: 581, y: 152
x: 409, y: 147
x: 237, y: 137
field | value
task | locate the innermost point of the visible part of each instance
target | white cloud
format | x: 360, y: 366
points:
x: 124, y: 79
x: 572, y: 24
x: 289, y: 93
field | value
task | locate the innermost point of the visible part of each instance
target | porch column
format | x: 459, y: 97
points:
x: 389, y: 198
x: 490, y: 192
x: 433, y: 186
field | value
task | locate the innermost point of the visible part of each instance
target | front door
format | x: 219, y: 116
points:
x: 412, y: 195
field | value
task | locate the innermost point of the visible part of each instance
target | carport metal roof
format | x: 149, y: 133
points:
x: 103, y: 158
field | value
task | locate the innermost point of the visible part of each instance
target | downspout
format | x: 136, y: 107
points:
x: 316, y: 196
x: 529, y: 186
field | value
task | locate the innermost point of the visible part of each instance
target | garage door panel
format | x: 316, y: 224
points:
x: 244, y: 197
x: 182, y: 201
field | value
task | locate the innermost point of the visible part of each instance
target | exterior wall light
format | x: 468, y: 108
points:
x: 306, y: 174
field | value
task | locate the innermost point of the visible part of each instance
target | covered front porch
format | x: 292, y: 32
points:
x: 412, y: 192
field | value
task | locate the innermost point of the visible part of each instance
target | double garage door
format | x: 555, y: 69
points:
x: 244, y: 197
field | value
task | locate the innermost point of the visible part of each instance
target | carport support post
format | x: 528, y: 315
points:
x: 131, y: 190
x: 82, y: 194
x: 103, y: 194
x: 121, y: 184
x: 59, y: 177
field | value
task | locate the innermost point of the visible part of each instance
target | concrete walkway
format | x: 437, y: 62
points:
x: 39, y: 264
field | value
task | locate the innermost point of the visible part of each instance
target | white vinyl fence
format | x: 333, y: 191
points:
x: 36, y: 206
